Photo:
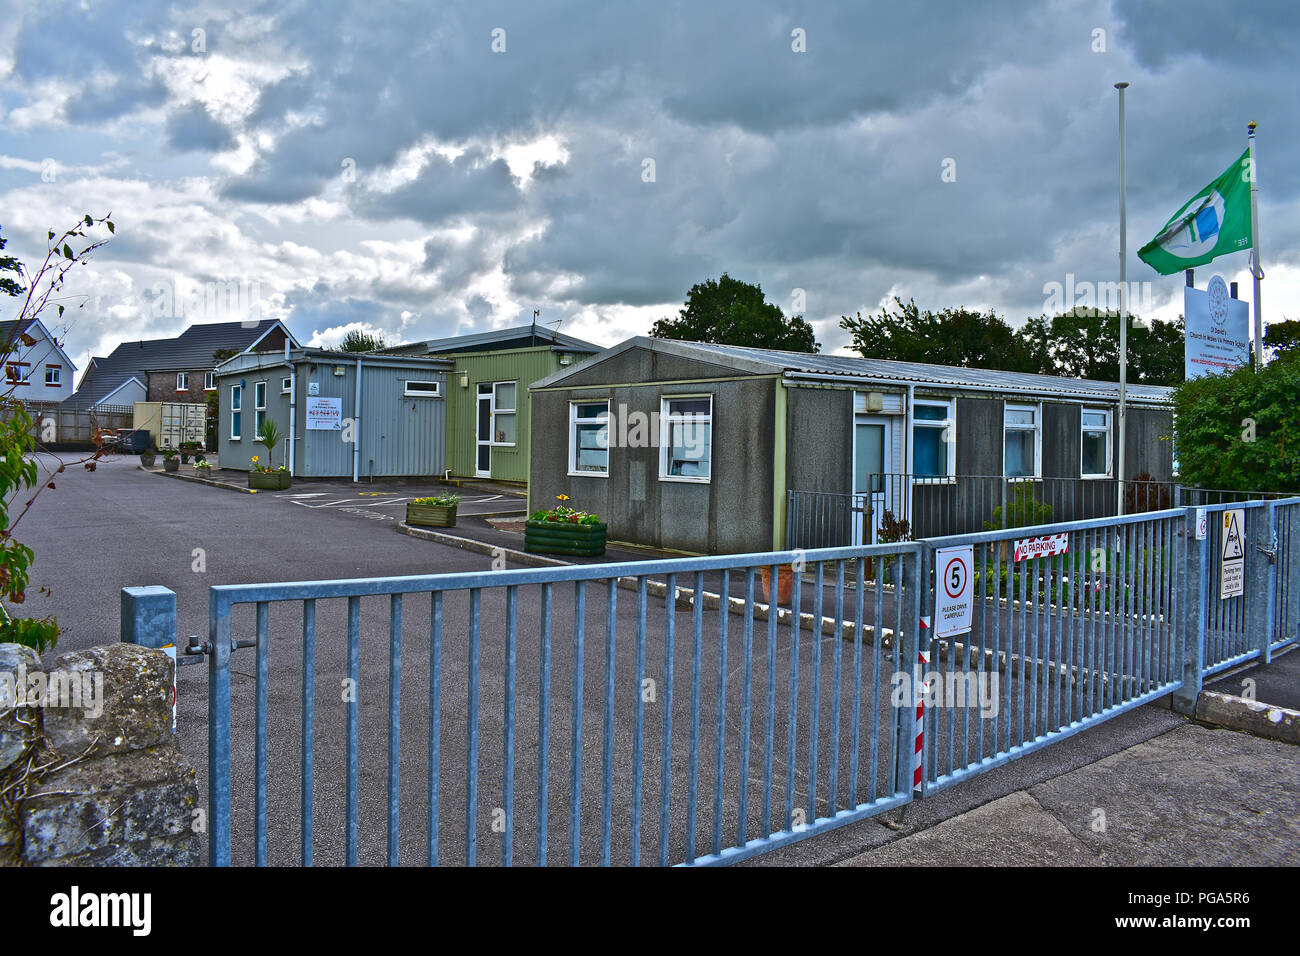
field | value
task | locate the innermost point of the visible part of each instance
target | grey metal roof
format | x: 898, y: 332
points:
x: 855, y: 368
x: 191, y: 350
x: 481, y: 341
x: 246, y: 362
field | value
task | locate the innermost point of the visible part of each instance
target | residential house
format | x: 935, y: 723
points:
x: 720, y: 449
x: 178, y: 369
x: 36, y: 367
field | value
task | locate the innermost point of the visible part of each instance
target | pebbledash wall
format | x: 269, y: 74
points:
x: 96, y: 779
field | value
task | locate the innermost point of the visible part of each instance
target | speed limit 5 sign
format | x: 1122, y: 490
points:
x: 954, y: 583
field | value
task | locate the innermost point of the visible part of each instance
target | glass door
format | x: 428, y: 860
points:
x: 871, y: 458
x: 483, y: 459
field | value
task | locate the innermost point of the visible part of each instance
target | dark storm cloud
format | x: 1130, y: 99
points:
x: 195, y: 128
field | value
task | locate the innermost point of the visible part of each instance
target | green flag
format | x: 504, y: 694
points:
x: 1215, y: 222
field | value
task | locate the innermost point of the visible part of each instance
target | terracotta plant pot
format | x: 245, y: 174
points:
x: 563, y: 537
x: 784, y: 583
x: 431, y: 516
x: 269, y: 480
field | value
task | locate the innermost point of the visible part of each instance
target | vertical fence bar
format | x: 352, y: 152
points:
x: 743, y: 780
x: 471, y: 731
x: 508, y: 718
x: 815, y: 687
x: 435, y: 723
x: 394, y: 719
x: 353, y: 725
x: 693, y: 760
x: 1191, y: 643
x: 769, y: 711
x: 877, y: 668
x: 666, y: 733
x: 860, y: 584
x: 263, y: 692
x: 638, y: 721
x: 575, y: 723
x: 837, y: 673
x: 544, y: 726
x: 720, y: 717
x: 308, y: 727
x: 607, y: 755
x: 792, y: 693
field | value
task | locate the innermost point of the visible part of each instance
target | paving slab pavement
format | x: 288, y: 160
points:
x: 1193, y: 796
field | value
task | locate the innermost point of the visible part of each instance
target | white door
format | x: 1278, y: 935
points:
x: 483, y: 432
x: 872, y: 458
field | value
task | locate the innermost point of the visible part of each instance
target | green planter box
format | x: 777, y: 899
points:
x: 562, y: 537
x: 431, y: 516
x: 268, y: 481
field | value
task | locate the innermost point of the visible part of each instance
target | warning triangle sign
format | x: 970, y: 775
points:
x: 1232, y: 547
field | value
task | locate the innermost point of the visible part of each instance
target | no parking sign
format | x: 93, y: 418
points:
x: 954, y: 581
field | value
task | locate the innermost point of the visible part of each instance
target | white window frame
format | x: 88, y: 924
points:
x: 209, y: 381
x: 1036, y: 428
x: 259, y: 411
x: 58, y: 375
x: 666, y: 420
x: 574, y: 420
x: 948, y: 424
x: 1110, y: 440
x: 286, y: 385
x: 423, y: 393
x: 236, y: 405
x: 496, y: 409
x: 182, y: 381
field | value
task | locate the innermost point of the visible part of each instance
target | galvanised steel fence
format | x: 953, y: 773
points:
x: 968, y: 504
x: 776, y: 694
x: 762, y: 733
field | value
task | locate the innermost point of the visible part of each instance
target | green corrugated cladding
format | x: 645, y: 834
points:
x: 522, y: 366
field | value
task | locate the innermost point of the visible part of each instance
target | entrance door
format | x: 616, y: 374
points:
x: 871, y: 484
x: 483, y: 456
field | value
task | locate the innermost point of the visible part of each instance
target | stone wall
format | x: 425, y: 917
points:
x: 93, y: 777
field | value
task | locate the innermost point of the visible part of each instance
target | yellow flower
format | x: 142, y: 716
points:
x: 255, y: 457
x: 561, y: 497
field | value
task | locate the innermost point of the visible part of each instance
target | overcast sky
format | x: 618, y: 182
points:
x: 423, y: 169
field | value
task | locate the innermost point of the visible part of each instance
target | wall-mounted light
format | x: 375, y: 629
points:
x: 340, y: 370
x: 464, y: 379
x: 875, y: 401
x: 565, y: 358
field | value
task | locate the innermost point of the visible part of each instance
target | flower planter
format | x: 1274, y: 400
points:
x: 171, y: 464
x: 268, y: 480
x: 563, y: 537
x: 784, y: 583
x: 431, y: 516
x: 148, y: 459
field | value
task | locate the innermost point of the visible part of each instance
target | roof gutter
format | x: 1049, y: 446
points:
x: 904, y: 384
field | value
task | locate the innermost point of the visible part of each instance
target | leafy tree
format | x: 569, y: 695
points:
x: 19, y: 471
x: 1241, y: 429
x: 955, y: 337
x: 1084, y: 343
x: 358, y: 341
x: 731, y: 312
x: 1283, y: 336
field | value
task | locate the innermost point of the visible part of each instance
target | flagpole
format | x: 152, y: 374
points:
x: 1123, y: 307
x: 1256, y: 270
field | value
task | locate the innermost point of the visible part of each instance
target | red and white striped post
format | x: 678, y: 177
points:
x: 921, y: 688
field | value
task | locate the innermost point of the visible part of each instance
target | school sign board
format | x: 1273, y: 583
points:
x: 1217, y: 330
x: 324, y: 414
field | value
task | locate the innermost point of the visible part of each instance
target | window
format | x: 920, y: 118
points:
x: 934, y: 444
x: 182, y: 381
x: 589, y: 438
x: 18, y: 373
x: 209, y: 381
x: 54, y: 375
x: 286, y: 386
x: 686, y: 438
x: 236, y: 410
x: 1095, y: 458
x: 259, y: 409
x: 414, y: 388
x: 503, y: 413
x: 1020, y: 442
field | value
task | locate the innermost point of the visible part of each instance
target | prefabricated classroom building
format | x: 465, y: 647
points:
x: 750, y: 449
x: 340, y: 414
x: 488, y: 406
